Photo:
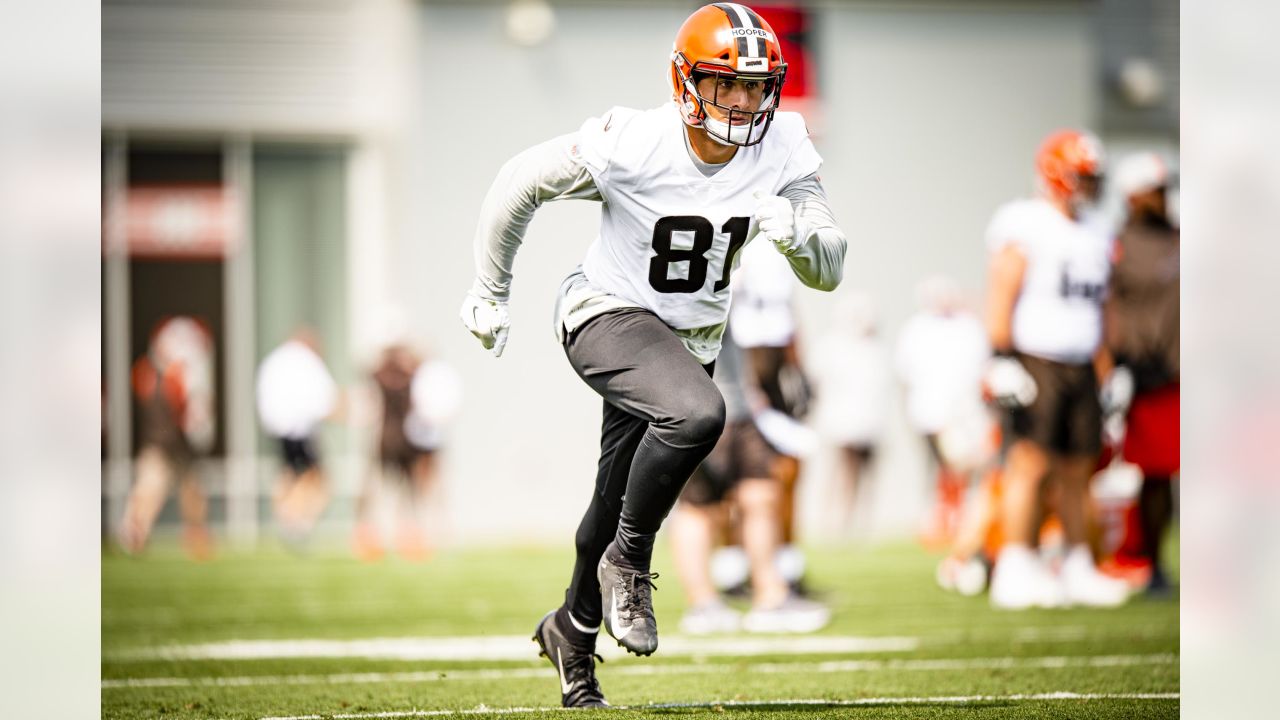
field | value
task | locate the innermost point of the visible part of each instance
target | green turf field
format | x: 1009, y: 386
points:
x: 897, y: 648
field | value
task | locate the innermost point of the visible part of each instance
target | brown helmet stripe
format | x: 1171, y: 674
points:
x: 736, y: 21
x: 756, y: 22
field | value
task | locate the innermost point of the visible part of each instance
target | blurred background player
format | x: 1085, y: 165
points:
x: 764, y: 327
x: 852, y: 377
x: 173, y: 384
x: 941, y: 355
x: 1142, y: 313
x: 1047, y: 278
x: 435, y: 396
x: 295, y: 394
x: 419, y: 398
x: 396, y: 456
x: 736, y: 481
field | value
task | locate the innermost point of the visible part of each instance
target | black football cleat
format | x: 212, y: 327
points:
x: 576, y: 665
x: 627, y: 600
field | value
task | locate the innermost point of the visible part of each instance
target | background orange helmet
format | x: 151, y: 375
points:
x: 1070, y: 164
x: 729, y: 41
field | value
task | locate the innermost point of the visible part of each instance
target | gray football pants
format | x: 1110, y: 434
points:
x: 662, y: 416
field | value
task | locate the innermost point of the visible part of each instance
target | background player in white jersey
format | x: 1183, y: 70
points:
x: 764, y: 326
x: 296, y: 393
x: 683, y: 186
x: 738, y: 480
x: 853, y: 381
x: 1047, y: 280
x: 941, y: 354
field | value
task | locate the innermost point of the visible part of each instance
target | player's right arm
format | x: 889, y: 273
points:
x: 553, y: 170
x: 1004, y: 283
x: 1006, y: 380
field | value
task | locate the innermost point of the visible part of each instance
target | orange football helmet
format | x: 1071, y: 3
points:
x: 729, y: 42
x: 1069, y: 165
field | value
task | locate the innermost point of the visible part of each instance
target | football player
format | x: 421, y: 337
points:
x: 941, y: 355
x: 1142, y: 334
x: 295, y: 394
x: 739, y: 474
x: 173, y: 384
x: 682, y: 188
x: 1047, y: 278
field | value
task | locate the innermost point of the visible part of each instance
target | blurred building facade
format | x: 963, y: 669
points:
x: 280, y: 162
x: 246, y: 181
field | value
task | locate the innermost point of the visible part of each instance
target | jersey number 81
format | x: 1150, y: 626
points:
x: 696, y: 256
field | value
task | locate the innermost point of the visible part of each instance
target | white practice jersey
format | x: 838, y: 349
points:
x: 295, y: 391
x: 669, y: 231
x: 853, y: 379
x: 1058, y: 314
x: 941, y: 360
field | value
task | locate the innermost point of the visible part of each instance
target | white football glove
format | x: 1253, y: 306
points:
x: 1117, y: 392
x: 1009, y: 384
x: 488, y: 320
x: 1114, y: 428
x: 777, y: 221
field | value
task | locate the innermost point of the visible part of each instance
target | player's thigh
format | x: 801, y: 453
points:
x: 1042, y: 422
x: 1026, y: 460
x: 753, y: 457
x: 759, y: 495
x: 152, y: 471
x: 637, y: 363
x: 1084, y: 415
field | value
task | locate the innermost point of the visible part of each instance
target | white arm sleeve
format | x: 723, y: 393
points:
x: 819, y: 260
x: 552, y: 170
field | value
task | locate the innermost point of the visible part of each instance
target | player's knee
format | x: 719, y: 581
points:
x: 703, y: 419
x: 1027, y: 459
x: 758, y: 495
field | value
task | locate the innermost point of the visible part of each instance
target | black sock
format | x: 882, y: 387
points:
x: 571, y: 631
x: 1155, y: 509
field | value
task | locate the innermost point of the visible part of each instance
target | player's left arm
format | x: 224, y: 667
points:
x: 816, y: 246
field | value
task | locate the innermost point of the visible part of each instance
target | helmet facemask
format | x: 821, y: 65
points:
x: 741, y: 127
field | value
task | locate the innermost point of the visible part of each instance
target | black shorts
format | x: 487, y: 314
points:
x: 1065, y: 417
x: 299, y: 454
x: 399, y: 463
x: 741, y: 453
x: 862, y: 453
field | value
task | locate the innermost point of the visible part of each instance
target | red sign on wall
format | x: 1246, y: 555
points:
x: 179, y: 221
x: 791, y: 24
x: 800, y: 94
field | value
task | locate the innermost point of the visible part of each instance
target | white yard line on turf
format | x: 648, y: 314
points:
x: 516, y: 647
x: 1055, y: 634
x: 507, y: 647
x: 943, y: 699
x: 840, y: 666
